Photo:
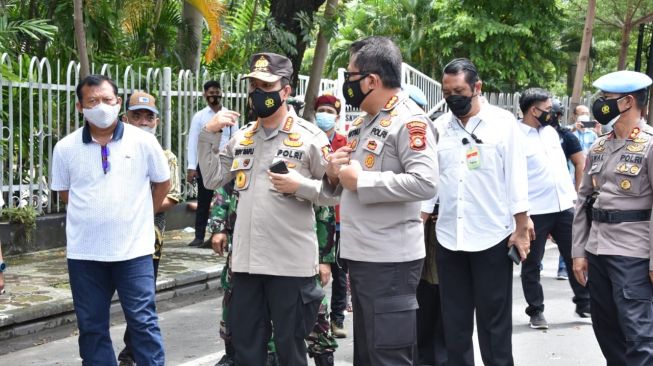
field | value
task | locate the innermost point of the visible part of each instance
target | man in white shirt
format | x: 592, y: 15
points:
x: 213, y: 96
x: 483, y: 211
x: 104, y: 172
x: 551, y: 196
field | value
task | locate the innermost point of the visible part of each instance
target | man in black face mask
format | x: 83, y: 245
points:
x: 388, y: 166
x: 275, y: 254
x: 551, y: 196
x: 483, y: 211
x: 213, y: 96
x: 612, y: 243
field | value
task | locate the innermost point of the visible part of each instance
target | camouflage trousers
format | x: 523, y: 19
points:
x: 320, y: 341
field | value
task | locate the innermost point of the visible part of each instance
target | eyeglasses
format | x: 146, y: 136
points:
x: 348, y: 74
x: 106, y: 166
x: 90, y: 103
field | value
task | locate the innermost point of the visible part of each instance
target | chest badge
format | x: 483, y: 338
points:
x: 241, y: 179
x: 625, y: 184
x: 246, y: 142
x: 369, y: 161
x: 385, y: 122
x: 353, y: 143
x: 635, y: 147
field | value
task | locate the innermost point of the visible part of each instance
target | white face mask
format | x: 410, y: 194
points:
x: 102, y: 115
x: 149, y: 129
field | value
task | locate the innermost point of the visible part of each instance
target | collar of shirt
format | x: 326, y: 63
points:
x: 117, y: 133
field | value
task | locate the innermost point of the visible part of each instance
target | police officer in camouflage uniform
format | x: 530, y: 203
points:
x: 612, y: 244
x: 388, y: 167
x: 275, y: 257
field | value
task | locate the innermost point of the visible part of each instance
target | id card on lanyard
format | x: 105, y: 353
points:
x: 473, y: 157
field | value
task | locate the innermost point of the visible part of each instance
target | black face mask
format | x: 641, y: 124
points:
x: 264, y: 103
x: 545, y: 118
x: 459, y: 105
x: 605, y: 110
x: 353, y: 93
x: 213, y: 100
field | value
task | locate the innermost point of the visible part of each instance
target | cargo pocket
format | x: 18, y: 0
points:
x: 395, y: 321
x: 310, y: 298
x: 637, y: 311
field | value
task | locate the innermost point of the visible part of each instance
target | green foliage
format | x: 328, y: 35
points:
x: 16, y: 34
x: 25, y: 216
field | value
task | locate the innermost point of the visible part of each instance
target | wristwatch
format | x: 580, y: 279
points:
x: 3, y: 266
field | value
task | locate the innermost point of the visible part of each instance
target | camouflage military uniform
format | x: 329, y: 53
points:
x: 222, y: 220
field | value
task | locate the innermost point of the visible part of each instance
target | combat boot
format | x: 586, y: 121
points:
x: 324, y: 359
x: 338, y: 330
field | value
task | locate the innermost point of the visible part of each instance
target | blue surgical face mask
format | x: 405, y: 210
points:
x: 325, y: 121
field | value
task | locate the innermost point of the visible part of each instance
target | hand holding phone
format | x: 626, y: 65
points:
x: 513, y: 254
x: 279, y: 167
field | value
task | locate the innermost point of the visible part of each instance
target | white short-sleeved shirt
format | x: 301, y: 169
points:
x: 109, y: 215
x: 550, y: 188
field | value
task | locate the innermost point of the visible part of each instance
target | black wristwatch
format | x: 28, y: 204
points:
x: 3, y: 266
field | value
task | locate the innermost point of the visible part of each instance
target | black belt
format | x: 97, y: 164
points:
x: 615, y: 217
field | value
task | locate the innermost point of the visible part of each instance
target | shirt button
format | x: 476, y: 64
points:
x: 460, y: 218
x: 461, y: 181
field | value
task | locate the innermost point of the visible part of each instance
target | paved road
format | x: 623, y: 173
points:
x: 190, y: 333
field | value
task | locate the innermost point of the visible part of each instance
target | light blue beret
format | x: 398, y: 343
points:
x: 416, y: 94
x: 623, y: 81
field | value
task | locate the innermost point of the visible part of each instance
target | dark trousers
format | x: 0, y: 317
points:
x: 383, y: 296
x: 127, y: 353
x: 260, y: 303
x: 338, y: 286
x: 430, y: 334
x: 621, y: 307
x: 93, y: 284
x: 557, y: 224
x: 480, y: 281
x: 204, y: 197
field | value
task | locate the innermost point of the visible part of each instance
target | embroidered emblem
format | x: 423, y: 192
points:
x: 294, y: 136
x: 625, y: 184
x: 246, y: 142
x: 234, y: 165
x: 353, y: 143
x: 369, y: 161
x: 385, y: 122
x: 288, y: 125
x: 635, y: 147
x: 392, y: 102
x: 357, y: 121
x: 291, y: 143
x: 241, y: 179
x: 371, y: 145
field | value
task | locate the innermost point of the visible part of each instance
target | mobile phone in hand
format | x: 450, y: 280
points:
x: 279, y: 167
x: 513, y: 254
x: 589, y: 124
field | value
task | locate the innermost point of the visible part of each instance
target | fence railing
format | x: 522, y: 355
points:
x: 37, y: 109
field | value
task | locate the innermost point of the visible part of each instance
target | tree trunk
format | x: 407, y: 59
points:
x: 321, y: 50
x: 625, y: 43
x: 285, y: 14
x: 189, y: 39
x: 583, y: 56
x: 80, y: 38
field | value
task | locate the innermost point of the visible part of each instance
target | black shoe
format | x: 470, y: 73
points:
x: 538, y: 321
x: 583, y: 311
x: 125, y: 358
x: 272, y: 359
x: 196, y: 243
x: 324, y: 359
x: 226, y: 360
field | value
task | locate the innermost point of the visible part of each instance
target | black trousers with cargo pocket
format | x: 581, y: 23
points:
x: 262, y: 302
x: 621, y: 296
x: 385, y: 304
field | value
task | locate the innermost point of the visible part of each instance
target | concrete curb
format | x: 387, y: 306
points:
x: 33, y: 319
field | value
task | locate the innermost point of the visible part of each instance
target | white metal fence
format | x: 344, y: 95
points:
x: 37, y: 108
